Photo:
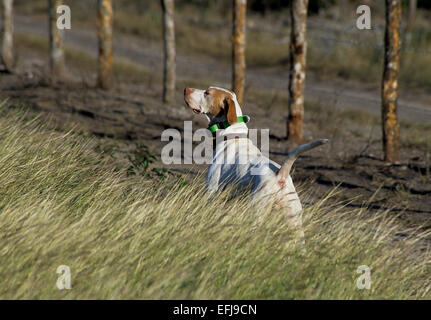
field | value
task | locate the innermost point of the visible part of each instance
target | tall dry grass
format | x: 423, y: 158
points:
x: 129, y: 237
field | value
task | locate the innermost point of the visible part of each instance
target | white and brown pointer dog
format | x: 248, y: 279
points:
x: 271, y: 184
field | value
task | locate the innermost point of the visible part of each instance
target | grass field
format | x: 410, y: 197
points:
x: 65, y: 199
x: 133, y: 237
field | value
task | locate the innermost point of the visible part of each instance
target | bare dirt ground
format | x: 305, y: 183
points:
x: 133, y: 113
x: 193, y: 66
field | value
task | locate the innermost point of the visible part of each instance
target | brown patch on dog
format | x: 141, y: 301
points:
x: 217, y: 105
x: 231, y: 110
x: 222, y: 102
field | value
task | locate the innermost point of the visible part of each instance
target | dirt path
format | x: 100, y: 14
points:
x: 148, y: 54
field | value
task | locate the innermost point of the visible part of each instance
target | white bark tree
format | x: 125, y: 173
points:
x: 168, y: 51
x: 7, y: 51
x: 56, y: 41
x: 298, y: 53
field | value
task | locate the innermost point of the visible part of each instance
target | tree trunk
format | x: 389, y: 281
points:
x: 56, y: 39
x: 298, y: 53
x: 412, y: 15
x: 343, y: 10
x: 104, y: 23
x: 168, y: 51
x: 238, y: 48
x: 391, y: 131
x: 7, y: 54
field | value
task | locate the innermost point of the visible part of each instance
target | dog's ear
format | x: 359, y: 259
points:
x: 230, y: 110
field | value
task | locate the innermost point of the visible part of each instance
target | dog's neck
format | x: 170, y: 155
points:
x: 232, y: 130
x: 235, y: 131
x: 236, y: 128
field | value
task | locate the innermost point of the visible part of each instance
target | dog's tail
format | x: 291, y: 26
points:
x: 292, y: 156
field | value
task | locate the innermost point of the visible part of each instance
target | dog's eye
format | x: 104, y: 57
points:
x: 205, y: 93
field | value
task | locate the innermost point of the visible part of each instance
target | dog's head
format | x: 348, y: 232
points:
x: 216, y: 103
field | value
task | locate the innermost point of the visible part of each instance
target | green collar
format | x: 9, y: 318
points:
x: 225, y: 124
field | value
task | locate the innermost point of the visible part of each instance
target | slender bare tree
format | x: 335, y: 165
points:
x: 56, y: 39
x: 412, y: 15
x: 390, y: 126
x: 238, y: 48
x: 343, y: 9
x: 104, y: 23
x: 168, y: 51
x: 298, y: 53
x: 7, y: 53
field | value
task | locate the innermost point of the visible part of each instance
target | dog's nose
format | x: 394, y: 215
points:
x: 187, y: 91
